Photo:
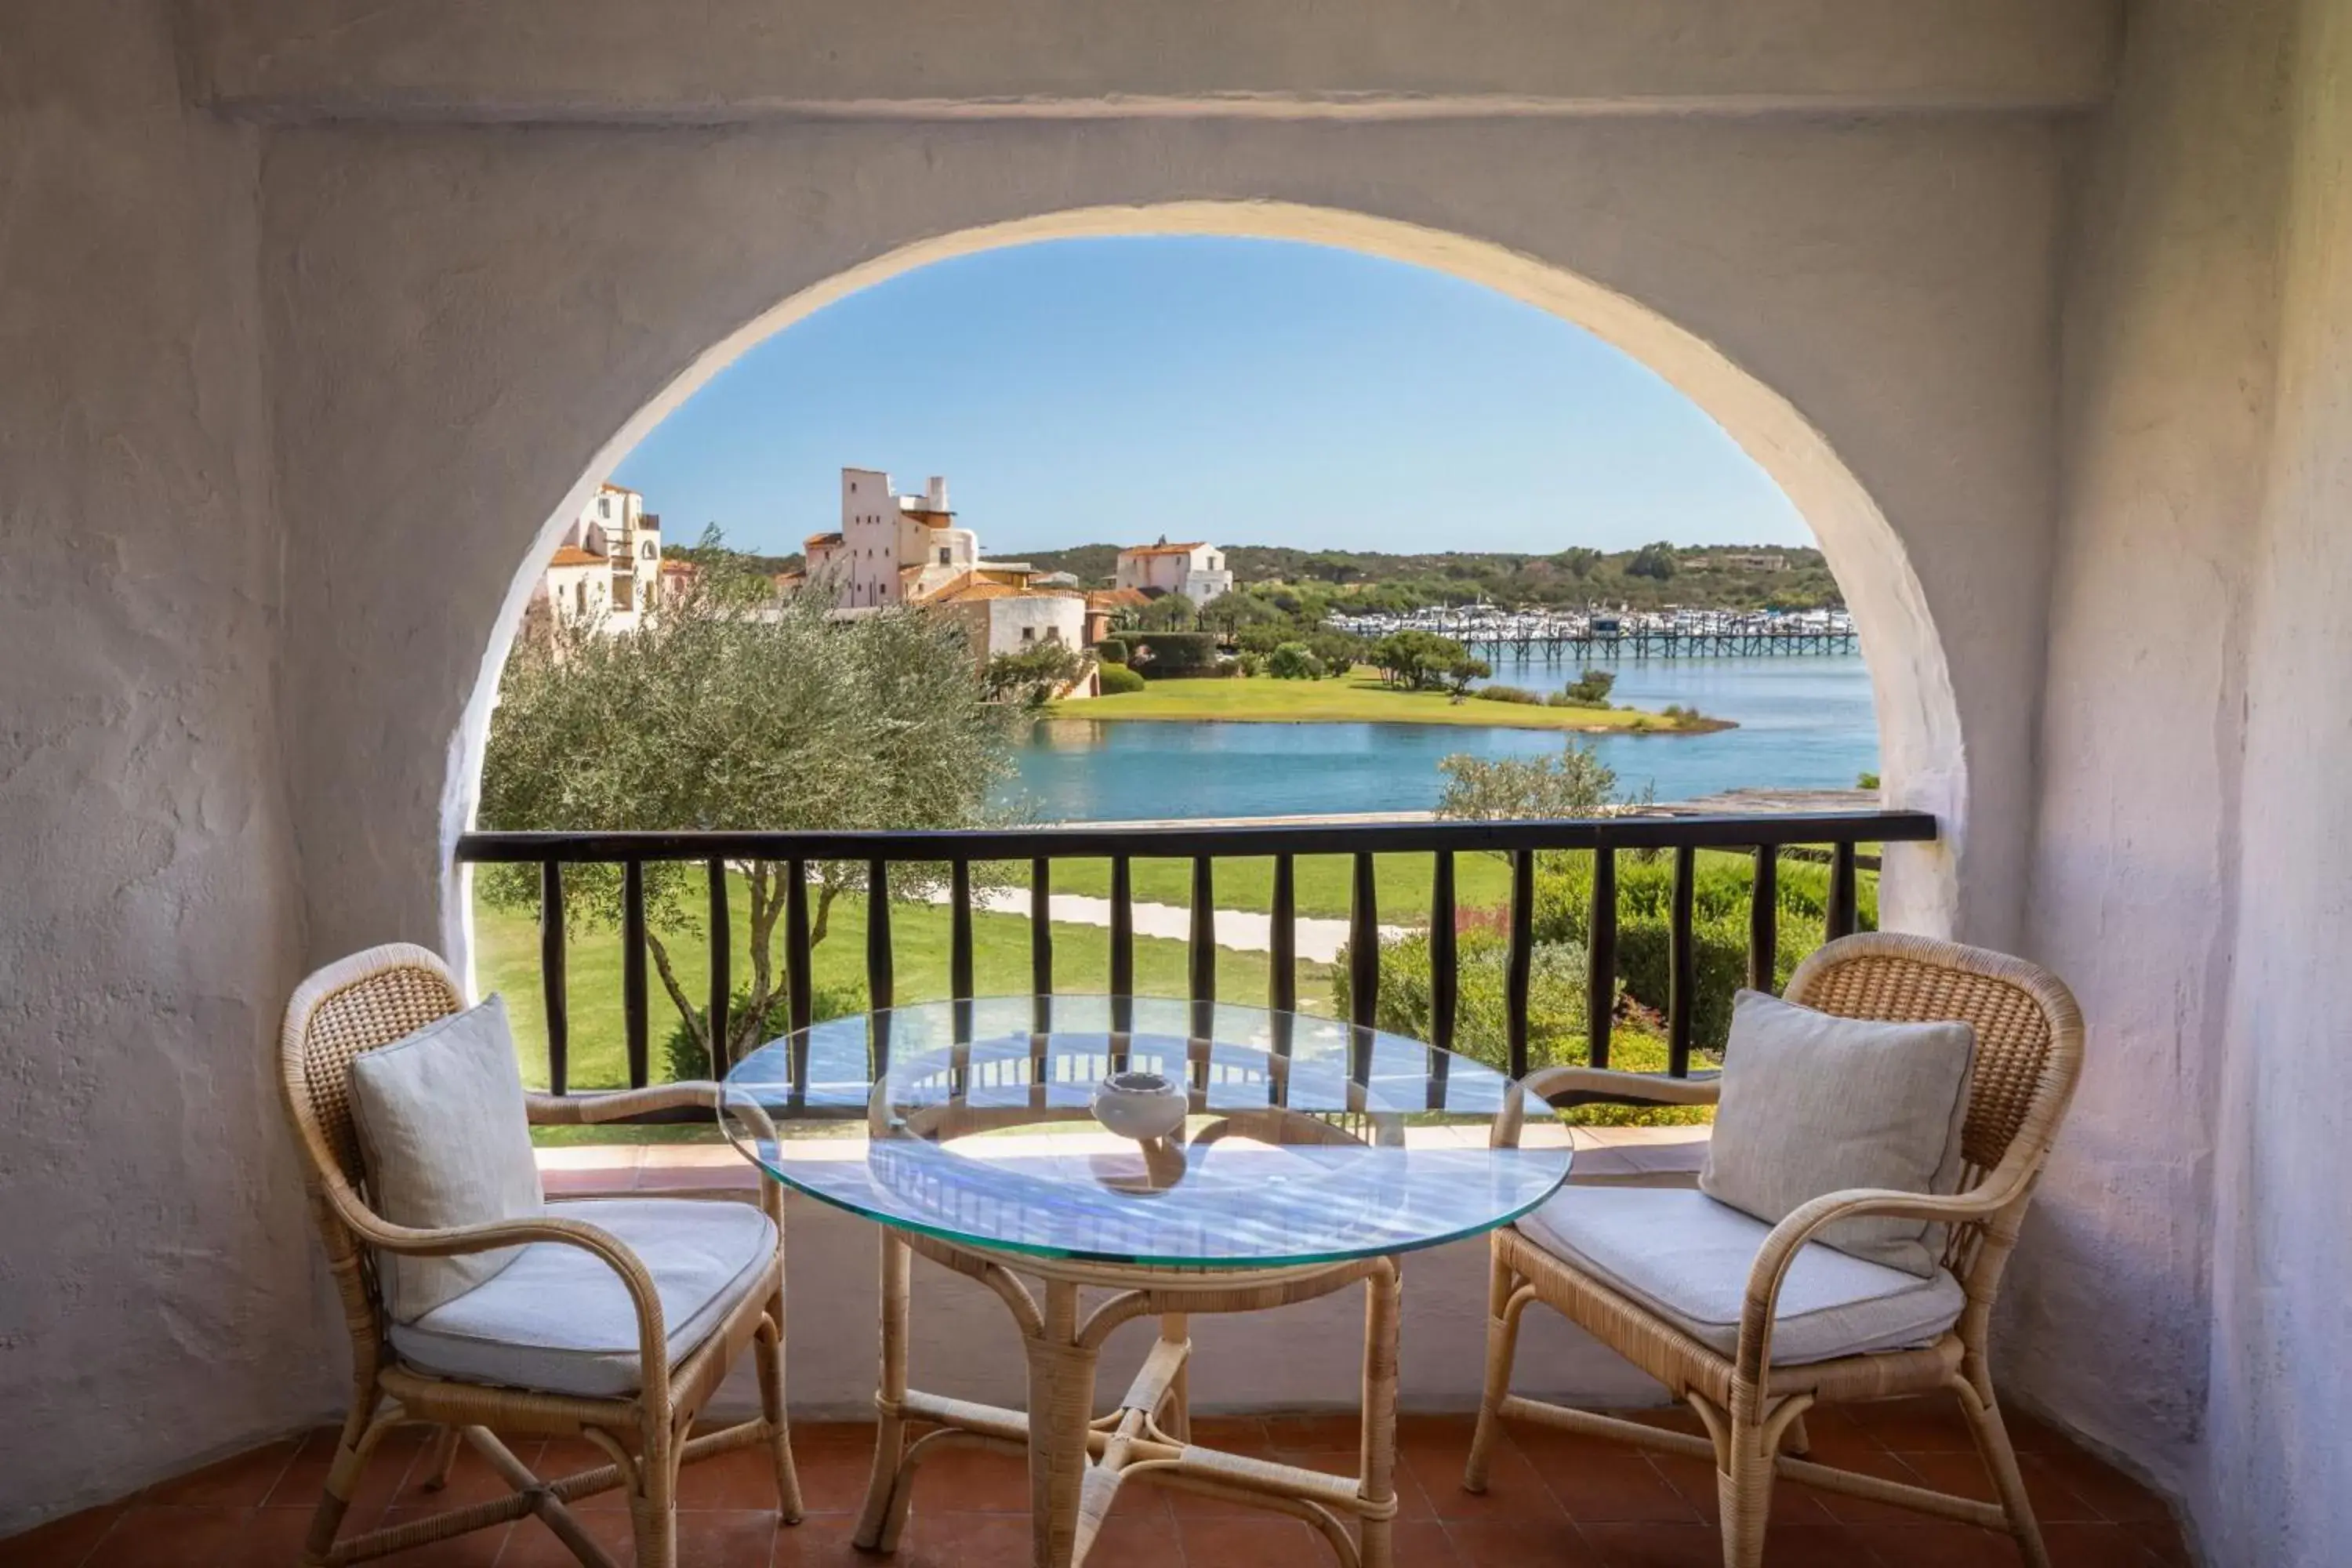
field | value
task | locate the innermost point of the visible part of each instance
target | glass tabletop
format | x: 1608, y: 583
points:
x: 1143, y: 1130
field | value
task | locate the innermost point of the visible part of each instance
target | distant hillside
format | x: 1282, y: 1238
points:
x: 1705, y: 576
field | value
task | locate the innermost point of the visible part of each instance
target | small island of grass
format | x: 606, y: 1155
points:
x: 1360, y: 697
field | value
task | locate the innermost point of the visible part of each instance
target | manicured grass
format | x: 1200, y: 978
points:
x: 1357, y: 697
x: 506, y: 959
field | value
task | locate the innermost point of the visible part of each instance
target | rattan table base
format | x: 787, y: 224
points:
x: 1077, y: 1460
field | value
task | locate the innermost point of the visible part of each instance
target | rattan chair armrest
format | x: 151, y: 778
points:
x: 590, y: 1109
x: 1548, y: 1083
x: 1788, y: 1238
x: 653, y: 1336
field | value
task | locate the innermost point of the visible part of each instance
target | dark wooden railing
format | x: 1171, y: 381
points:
x: 1766, y: 834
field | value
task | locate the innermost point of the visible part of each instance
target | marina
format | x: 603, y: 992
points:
x: 1607, y: 636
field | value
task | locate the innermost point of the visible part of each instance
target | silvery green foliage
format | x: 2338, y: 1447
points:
x: 731, y: 707
x: 1574, y: 783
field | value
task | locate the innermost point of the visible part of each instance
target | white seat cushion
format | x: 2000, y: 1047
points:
x: 1687, y: 1257
x: 559, y: 1320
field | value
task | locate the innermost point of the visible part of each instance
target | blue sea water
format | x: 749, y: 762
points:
x: 1803, y: 724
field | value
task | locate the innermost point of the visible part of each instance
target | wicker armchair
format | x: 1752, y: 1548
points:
x: 2029, y: 1050
x: 372, y: 999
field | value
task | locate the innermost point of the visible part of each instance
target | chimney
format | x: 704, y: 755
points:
x: 935, y: 494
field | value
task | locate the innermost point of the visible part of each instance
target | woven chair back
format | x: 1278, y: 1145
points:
x: 367, y: 1000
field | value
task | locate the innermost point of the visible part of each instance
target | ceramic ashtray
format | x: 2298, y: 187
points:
x: 1141, y: 1105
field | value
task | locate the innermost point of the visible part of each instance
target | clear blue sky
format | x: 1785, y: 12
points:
x: 1245, y: 391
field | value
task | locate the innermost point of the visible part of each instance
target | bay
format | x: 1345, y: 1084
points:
x: 1803, y: 724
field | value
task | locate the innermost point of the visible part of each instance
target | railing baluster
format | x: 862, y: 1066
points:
x: 722, y: 983
x: 1764, y: 919
x: 1443, y: 979
x: 636, y: 1017
x: 1521, y: 966
x: 1363, y: 945
x: 1040, y: 927
x: 960, y: 930
x: 1842, y: 912
x: 879, y: 987
x: 1282, y: 966
x: 1203, y: 949
x: 1682, y: 982
x: 1122, y: 926
x: 1600, y: 959
x: 553, y: 984
x: 800, y: 987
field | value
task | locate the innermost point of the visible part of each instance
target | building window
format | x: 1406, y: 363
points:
x: 1028, y: 634
x: 944, y: 557
x: 580, y: 596
x: 648, y: 551
x: 604, y: 506
x: 1052, y: 634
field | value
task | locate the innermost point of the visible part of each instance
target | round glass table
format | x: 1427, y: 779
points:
x: 1187, y: 1157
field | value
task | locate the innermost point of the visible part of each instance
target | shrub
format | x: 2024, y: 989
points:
x: 1294, y: 661
x: 1563, y: 700
x: 1518, y: 694
x: 1249, y: 663
x: 1557, y: 1030
x: 1720, y: 906
x: 1338, y: 652
x: 1173, y: 653
x: 1591, y: 690
x: 683, y: 1057
x: 1116, y: 679
x: 1111, y: 650
x: 1867, y: 781
x: 1576, y: 783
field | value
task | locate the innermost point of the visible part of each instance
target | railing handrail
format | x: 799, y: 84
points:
x: 1096, y: 840
x: 1766, y: 834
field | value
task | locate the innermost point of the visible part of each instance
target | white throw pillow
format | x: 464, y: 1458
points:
x: 446, y: 1142
x: 1813, y: 1103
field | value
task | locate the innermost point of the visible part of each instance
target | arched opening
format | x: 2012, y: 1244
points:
x: 1923, y: 762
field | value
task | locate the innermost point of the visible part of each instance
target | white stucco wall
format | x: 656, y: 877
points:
x: 159, y: 1300
x: 2277, y: 1484
x: 2191, y: 861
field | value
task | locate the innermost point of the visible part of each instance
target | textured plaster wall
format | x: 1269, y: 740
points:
x: 158, y: 1301
x: 439, y: 399
x: 731, y: 59
x: 2277, y: 1486
x: 2183, y: 1292
x: 2170, y: 344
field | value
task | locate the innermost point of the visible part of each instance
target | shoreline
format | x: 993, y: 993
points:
x: 1355, y: 700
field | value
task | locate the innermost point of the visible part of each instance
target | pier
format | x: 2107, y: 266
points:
x: 1598, y: 636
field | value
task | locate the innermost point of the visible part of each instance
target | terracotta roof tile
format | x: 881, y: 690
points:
x: 573, y: 555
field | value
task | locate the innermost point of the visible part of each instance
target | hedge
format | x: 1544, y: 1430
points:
x: 1556, y: 1012
x: 1172, y: 653
x: 1117, y: 679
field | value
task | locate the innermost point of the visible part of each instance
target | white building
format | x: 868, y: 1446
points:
x: 895, y: 549
x: 607, y: 567
x: 891, y: 549
x: 1196, y: 570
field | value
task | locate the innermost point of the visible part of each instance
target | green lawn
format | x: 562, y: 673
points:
x: 1324, y: 887
x: 1357, y: 697
x: 507, y: 958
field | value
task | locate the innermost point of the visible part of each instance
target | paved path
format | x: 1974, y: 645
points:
x: 1319, y: 940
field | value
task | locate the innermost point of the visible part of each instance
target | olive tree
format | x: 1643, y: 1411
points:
x: 731, y: 709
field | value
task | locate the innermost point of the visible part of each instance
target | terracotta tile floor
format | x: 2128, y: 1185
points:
x: 1555, y: 1499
